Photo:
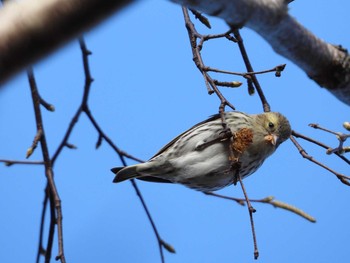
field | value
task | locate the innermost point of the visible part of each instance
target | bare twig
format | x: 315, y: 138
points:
x: 84, y: 108
x: 41, y: 250
x: 12, y: 162
x: 250, y: 69
x: 55, y: 201
x: 46, y: 105
x: 161, y: 243
x: 36, y: 140
x: 299, y: 135
x: 268, y: 200
x: 197, y: 58
x: 231, y: 84
x: 343, y: 178
x: 339, y: 135
x: 276, y: 69
x: 197, y: 41
x: 251, y: 210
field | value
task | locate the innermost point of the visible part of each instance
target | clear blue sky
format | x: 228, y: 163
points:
x: 146, y: 91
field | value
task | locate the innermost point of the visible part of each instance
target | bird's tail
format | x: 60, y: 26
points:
x: 124, y: 173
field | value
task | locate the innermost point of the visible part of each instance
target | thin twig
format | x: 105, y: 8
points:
x: 230, y: 84
x: 204, y: 38
x: 299, y: 135
x: 12, y: 162
x: 84, y: 108
x: 55, y: 201
x: 150, y: 218
x: 316, y: 126
x: 41, y: 251
x: 341, y: 137
x: 251, y: 210
x: 244, y: 74
x: 36, y: 140
x: 161, y: 243
x: 47, y: 105
x: 267, y: 200
x: 250, y: 69
x: 197, y: 40
x: 344, y: 179
x: 197, y: 58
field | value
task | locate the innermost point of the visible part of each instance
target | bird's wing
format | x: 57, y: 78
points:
x: 153, y: 179
x: 212, y: 118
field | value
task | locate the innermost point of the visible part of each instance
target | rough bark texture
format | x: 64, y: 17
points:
x: 30, y: 29
x: 326, y: 64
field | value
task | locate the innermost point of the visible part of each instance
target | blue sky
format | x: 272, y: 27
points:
x: 146, y: 91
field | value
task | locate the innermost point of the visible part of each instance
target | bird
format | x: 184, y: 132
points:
x: 208, y: 156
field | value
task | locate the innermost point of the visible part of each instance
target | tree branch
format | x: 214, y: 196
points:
x: 31, y: 29
x: 51, y: 190
x: 326, y: 64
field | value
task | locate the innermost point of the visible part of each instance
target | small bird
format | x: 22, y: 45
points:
x: 208, y: 157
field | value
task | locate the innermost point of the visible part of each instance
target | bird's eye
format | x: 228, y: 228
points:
x: 271, y: 125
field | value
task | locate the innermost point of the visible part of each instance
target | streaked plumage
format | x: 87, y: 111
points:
x: 199, y: 160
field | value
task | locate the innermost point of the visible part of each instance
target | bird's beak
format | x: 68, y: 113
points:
x: 271, y: 138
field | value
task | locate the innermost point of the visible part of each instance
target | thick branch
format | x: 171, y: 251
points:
x: 30, y: 29
x: 326, y: 64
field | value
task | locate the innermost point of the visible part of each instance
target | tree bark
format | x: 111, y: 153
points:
x: 326, y: 64
x: 30, y: 29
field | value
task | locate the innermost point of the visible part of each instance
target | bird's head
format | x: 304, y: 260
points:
x: 276, y: 127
